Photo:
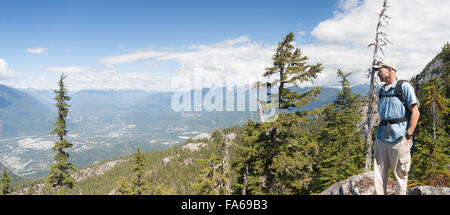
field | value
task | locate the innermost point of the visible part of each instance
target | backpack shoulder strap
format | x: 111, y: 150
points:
x: 399, y: 94
x: 399, y: 90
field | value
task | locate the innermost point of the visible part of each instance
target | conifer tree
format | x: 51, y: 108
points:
x: 246, y: 155
x: 290, y: 156
x: 123, y: 187
x: 275, y: 157
x: 435, y: 102
x: 139, y: 185
x: 292, y: 69
x: 341, y: 145
x: 60, y: 171
x: 5, y: 187
x: 430, y: 162
x: 163, y: 190
x: 211, y: 180
x: 215, y: 176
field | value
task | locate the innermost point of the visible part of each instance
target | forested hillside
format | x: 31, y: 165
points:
x: 431, y: 164
x: 170, y: 171
x: 296, y: 154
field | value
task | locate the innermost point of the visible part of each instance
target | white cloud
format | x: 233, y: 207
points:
x: 26, y: 81
x: 36, y: 50
x: 73, y: 69
x: 346, y: 5
x: 418, y: 29
x: 129, y: 58
x: 237, y: 60
x: 110, y: 78
x: 5, y: 72
x: 152, y: 63
x: 79, y: 77
x: 334, y: 56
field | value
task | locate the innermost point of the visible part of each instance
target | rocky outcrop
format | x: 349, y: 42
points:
x: 202, y: 136
x: 79, y: 175
x: 166, y: 160
x: 429, y: 190
x: 95, y: 170
x: 194, y: 146
x: 361, y: 184
x: 432, y: 70
x: 437, y: 67
x: 37, y: 189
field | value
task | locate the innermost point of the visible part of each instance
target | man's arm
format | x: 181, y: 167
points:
x: 414, y: 118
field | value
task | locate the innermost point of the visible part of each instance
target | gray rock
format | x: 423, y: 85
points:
x: 429, y: 190
x: 432, y: 70
x: 166, y: 160
x: 361, y: 184
x: 202, y: 136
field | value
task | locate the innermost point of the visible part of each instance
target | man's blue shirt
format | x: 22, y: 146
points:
x: 392, y: 108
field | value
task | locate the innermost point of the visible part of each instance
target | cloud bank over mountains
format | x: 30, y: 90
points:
x: 5, y: 72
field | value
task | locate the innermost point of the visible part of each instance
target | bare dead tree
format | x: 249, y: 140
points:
x: 372, y: 114
x: 258, y: 85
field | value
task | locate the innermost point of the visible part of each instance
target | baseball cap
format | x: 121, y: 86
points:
x: 386, y: 63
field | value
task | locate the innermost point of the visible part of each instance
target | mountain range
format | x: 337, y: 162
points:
x: 104, y: 124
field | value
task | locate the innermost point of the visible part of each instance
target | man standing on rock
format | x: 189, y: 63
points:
x: 399, y: 112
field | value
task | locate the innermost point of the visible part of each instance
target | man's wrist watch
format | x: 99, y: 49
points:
x: 408, y: 136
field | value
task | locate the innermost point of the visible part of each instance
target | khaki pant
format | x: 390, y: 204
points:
x: 394, y: 156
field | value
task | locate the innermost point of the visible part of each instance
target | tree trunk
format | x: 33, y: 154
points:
x: 280, y: 89
x: 372, y: 114
x: 226, y: 166
x: 260, y: 112
x: 371, y: 119
x: 434, y: 114
x: 244, y: 189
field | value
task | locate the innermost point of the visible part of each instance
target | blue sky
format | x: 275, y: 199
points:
x: 92, y: 29
x: 133, y: 23
x: 78, y: 34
